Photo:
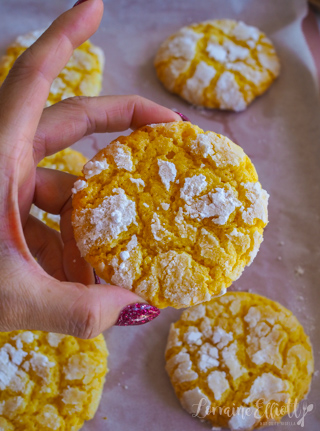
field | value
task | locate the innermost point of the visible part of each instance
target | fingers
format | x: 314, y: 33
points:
x: 25, y: 91
x: 52, y: 189
x: 69, y: 120
x: 46, y: 246
x: 53, y: 195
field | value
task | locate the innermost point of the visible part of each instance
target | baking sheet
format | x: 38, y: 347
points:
x: 280, y: 132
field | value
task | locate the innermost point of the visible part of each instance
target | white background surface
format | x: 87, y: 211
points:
x: 280, y: 132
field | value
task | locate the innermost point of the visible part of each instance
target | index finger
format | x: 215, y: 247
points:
x: 26, y: 88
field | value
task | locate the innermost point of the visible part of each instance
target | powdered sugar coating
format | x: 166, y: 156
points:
x: 107, y: 220
x: 55, y: 339
x: 228, y: 94
x: 217, y: 205
x: 182, y: 46
x: 121, y: 155
x: 218, y: 384
x: 126, y: 269
x: 193, y: 398
x: 138, y: 182
x: 79, y: 185
x: 258, y: 203
x: 227, y: 52
x: 167, y: 172
x: 95, y: 167
x: 165, y: 206
x: 219, y: 148
x: 270, y: 388
x: 195, y: 86
x: 192, y: 187
x: 245, y: 418
x: 244, y: 32
x: 158, y: 231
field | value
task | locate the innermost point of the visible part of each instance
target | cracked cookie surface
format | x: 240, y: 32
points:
x: 49, y: 381
x: 222, y: 64
x: 239, y: 360
x: 170, y: 212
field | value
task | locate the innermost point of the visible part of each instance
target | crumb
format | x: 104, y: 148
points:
x: 299, y: 270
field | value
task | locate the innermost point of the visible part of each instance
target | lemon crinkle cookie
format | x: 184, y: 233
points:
x: 239, y: 361
x: 49, y: 381
x: 220, y: 64
x: 82, y: 76
x: 170, y: 212
x: 67, y: 160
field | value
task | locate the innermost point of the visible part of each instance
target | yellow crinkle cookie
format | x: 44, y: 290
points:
x: 239, y: 361
x: 82, y: 75
x: 49, y: 381
x: 67, y: 160
x: 170, y: 212
x: 220, y: 64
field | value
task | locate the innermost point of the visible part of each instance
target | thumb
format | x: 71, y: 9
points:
x: 47, y: 304
x: 86, y: 311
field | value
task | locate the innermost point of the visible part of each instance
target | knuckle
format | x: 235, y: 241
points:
x: 27, y: 65
x: 76, y: 102
x: 136, y: 99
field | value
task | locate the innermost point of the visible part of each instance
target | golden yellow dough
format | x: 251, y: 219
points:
x: 222, y: 64
x: 49, y: 381
x: 241, y: 351
x: 82, y: 76
x: 67, y: 160
x: 170, y: 212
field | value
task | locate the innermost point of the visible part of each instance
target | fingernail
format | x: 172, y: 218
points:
x: 79, y: 2
x: 137, y: 314
x: 96, y: 278
x: 184, y: 117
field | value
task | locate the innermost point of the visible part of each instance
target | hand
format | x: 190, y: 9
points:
x: 55, y: 293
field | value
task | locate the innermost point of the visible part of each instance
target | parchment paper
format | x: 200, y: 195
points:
x: 280, y: 132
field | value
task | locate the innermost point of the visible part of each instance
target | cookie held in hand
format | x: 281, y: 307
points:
x: 170, y: 212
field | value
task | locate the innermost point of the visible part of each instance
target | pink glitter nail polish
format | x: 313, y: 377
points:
x: 137, y: 314
x: 79, y: 2
x: 184, y: 117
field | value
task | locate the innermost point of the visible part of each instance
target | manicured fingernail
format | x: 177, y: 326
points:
x: 137, y: 314
x: 184, y: 117
x: 79, y: 2
x: 96, y: 278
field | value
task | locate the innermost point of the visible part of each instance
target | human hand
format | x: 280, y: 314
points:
x: 55, y: 293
